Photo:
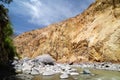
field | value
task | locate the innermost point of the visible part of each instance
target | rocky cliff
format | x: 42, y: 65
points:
x: 93, y: 35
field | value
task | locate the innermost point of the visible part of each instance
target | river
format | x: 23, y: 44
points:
x: 96, y: 75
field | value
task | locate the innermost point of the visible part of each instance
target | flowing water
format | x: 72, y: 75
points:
x: 96, y: 75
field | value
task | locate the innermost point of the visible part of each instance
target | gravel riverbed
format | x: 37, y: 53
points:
x: 45, y: 65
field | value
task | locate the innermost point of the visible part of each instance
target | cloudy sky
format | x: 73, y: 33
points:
x: 27, y: 15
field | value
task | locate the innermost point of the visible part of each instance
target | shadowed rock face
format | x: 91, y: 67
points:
x: 93, y: 35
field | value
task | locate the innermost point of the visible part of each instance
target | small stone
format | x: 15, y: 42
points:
x: 48, y: 73
x: 64, y: 76
x: 73, y: 70
x: 26, y: 68
x: 16, y: 58
x: 19, y: 67
x: 76, y: 78
x: 25, y: 59
x: 18, y: 71
x: 14, y: 62
x: 86, y: 71
x: 27, y: 71
x: 34, y: 72
x: 74, y: 74
x: 92, y: 74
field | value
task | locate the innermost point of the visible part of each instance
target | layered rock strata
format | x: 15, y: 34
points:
x: 93, y: 35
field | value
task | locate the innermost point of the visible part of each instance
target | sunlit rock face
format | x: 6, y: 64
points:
x: 93, y: 35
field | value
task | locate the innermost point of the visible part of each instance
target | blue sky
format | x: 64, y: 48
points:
x: 27, y: 15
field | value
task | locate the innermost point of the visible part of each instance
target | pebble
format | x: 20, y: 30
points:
x: 27, y: 72
x: 74, y: 74
x: 73, y: 70
x: 86, y: 71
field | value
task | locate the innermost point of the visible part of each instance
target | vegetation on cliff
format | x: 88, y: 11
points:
x: 7, y: 50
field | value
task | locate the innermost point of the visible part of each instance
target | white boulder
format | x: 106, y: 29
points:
x: 48, y: 73
x: 64, y: 76
x: 45, y: 58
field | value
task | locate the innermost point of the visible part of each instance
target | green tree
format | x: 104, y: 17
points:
x: 7, y: 50
x: 6, y: 1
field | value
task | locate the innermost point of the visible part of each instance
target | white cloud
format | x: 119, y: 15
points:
x: 42, y: 12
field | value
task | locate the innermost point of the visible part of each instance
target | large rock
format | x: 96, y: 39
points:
x: 46, y: 59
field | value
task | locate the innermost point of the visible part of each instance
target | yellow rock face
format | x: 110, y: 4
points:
x: 93, y: 35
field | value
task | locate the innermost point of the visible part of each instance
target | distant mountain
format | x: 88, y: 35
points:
x: 93, y: 35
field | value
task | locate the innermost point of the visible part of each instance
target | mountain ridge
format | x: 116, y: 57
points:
x: 90, y: 36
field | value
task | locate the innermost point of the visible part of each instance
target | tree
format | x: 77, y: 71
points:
x: 6, y: 1
x: 7, y: 50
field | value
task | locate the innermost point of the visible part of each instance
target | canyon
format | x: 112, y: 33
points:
x: 92, y: 36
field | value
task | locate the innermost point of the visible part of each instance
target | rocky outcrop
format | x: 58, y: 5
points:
x: 93, y: 35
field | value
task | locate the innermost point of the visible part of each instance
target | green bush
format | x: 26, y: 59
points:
x: 7, y: 50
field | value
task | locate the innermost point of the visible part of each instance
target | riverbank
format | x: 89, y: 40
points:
x: 70, y: 72
x: 45, y: 65
x: 102, y: 65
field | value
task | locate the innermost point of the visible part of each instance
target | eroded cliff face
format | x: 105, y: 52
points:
x: 93, y: 35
